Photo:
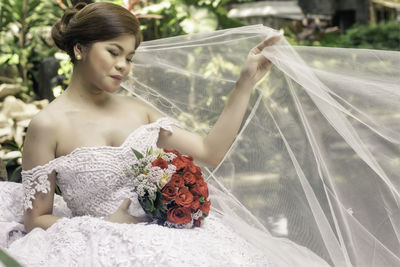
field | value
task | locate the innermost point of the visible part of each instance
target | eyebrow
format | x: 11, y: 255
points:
x: 122, y: 49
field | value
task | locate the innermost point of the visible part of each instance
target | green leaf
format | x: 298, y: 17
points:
x: 146, y: 204
x: 7, y: 260
x: 14, y: 173
x: 154, y: 197
x: 137, y: 154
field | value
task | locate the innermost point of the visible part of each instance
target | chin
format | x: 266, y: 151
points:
x: 111, y: 89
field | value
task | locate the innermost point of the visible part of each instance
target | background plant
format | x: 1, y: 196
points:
x: 383, y: 36
x: 24, y: 39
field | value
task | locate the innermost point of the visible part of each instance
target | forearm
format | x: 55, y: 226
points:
x: 43, y: 221
x: 227, y: 126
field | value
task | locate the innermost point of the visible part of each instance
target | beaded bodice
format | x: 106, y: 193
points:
x: 93, y: 180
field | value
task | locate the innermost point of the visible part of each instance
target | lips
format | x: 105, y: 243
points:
x: 116, y: 77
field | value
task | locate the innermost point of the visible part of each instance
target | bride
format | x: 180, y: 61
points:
x: 82, y: 142
x: 315, y: 161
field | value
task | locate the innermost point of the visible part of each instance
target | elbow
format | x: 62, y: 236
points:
x: 29, y: 226
x: 30, y: 223
x: 212, y: 156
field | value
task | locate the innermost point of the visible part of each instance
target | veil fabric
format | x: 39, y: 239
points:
x: 317, y: 159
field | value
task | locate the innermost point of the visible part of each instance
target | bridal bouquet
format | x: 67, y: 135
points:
x: 170, y: 188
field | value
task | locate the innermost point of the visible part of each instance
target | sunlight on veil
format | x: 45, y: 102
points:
x: 317, y: 159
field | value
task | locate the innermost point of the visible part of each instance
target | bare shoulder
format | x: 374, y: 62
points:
x: 42, y: 122
x: 48, y: 118
x: 40, y: 140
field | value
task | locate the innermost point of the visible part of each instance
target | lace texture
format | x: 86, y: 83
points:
x: 88, y: 241
x: 92, y: 179
x: 11, y: 212
x: 93, y: 183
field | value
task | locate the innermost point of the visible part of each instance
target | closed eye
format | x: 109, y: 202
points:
x: 112, y: 52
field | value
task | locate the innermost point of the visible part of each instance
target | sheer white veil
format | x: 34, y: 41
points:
x: 317, y: 159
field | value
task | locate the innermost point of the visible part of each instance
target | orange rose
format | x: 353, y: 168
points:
x: 179, y: 215
x: 184, y: 198
x: 160, y: 163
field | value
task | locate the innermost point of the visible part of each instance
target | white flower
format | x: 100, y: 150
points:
x: 155, y: 174
x: 163, y: 181
x: 170, y: 170
x: 168, y: 157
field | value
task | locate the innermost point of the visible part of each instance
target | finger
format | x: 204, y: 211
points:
x: 140, y: 219
x: 125, y: 204
x: 270, y: 41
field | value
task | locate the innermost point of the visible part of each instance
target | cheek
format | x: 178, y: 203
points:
x: 101, y: 62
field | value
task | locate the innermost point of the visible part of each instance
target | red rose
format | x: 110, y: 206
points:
x: 177, y: 180
x: 198, y: 174
x: 200, y: 189
x: 195, y: 204
x: 205, y: 207
x: 168, y: 192
x: 189, y: 178
x: 160, y: 163
x: 179, y: 164
x: 198, y: 170
x: 197, y: 222
x: 189, y: 158
x: 190, y: 167
x: 179, y: 215
x: 184, y: 198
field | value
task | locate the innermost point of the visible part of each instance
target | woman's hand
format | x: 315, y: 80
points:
x: 122, y: 215
x: 256, y: 65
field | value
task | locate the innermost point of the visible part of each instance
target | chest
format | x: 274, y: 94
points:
x: 92, y: 131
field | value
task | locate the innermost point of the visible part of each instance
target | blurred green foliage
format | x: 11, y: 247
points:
x: 383, y: 36
x: 24, y: 25
x: 177, y: 17
x: 380, y: 36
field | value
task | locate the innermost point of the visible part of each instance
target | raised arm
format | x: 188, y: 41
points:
x: 209, y: 151
x: 39, y: 149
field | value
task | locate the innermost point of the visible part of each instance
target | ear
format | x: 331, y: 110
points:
x: 80, y: 50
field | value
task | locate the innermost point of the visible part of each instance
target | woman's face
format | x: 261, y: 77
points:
x: 107, y: 63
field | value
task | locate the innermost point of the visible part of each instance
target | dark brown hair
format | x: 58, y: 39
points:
x: 89, y: 23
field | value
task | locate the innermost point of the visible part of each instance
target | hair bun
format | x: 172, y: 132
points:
x: 88, y: 22
x: 77, y: 2
x: 81, y: 5
x: 60, y: 28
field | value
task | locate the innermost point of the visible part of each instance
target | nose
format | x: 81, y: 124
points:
x: 121, y: 66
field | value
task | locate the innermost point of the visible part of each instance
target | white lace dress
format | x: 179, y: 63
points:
x: 93, y: 185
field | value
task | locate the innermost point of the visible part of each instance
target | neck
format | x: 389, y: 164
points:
x: 81, y: 91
